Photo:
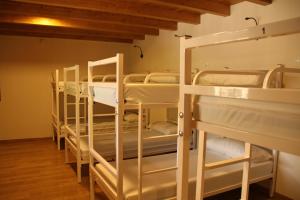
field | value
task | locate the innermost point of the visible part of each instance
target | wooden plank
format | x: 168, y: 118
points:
x: 81, y: 14
x: 140, y: 152
x: 119, y: 124
x: 69, y: 31
x: 261, y: 2
x: 77, y: 24
x: 184, y: 122
x: 135, y: 8
x: 202, y: 6
x: 246, y: 172
x: 62, y: 36
x: 271, y: 95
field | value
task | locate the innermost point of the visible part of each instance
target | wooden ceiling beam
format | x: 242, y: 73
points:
x: 128, y: 7
x: 79, y: 24
x: 10, y: 32
x: 200, y: 6
x: 69, y: 31
x: 261, y: 2
x: 75, y: 14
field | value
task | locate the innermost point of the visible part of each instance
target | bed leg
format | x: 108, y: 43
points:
x: 92, y: 186
x: 246, y: 173
x: 58, y: 142
x: 67, y: 160
x: 78, y: 171
x: 275, y: 164
x: 53, y: 135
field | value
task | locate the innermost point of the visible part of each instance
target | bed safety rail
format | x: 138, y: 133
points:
x: 169, y: 77
x: 127, y: 78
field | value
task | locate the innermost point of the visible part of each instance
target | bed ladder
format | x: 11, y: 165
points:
x: 141, y: 139
x: 246, y: 159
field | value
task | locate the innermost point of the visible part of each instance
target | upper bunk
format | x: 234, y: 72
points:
x: 267, y: 115
x: 134, y: 92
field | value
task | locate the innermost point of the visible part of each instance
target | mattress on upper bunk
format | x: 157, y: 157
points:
x: 70, y: 88
x: 271, y: 119
x: 163, y: 185
x: 105, y: 144
x: 228, y: 79
x: 135, y: 93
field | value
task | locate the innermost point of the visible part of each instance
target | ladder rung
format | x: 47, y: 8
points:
x: 226, y: 162
x: 159, y: 170
x: 161, y: 137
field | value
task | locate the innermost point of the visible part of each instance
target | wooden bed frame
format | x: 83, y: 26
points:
x: 290, y: 96
x: 119, y: 106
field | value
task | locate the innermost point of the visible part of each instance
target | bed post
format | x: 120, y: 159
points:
x: 140, y: 152
x: 201, y: 165
x: 246, y: 171
x: 57, y: 108
x: 91, y: 130
x: 274, y: 172
x: 77, y: 122
x: 119, y: 121
x: 66, y: 116
x: 184, y: 122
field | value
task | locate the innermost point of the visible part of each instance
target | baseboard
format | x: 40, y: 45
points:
x: 24, y: 140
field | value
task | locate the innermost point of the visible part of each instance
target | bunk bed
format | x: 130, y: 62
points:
x: 57, y: 108
x: 140, y: 92
x: 267, y: 116
x: 130, y: 96
x: 161, y: 186
x: 76, y: 139
x: 160, y: 179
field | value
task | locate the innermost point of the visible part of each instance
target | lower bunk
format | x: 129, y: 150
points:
x: 163, y: 185
x: 104, y: 142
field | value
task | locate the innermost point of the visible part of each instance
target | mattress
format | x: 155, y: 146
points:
x: 104, y: 126
x: 70, y: 88
x: 163, y: 185
x: 145, y: 93
x: 105, y: 144
x: 227, y: 79
x: 270, y: 119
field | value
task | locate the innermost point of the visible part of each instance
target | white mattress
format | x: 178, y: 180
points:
x: 271, y: 119
x: 163, y: 185
x: 70, y: 87
x: 146, y: 93
x: 227, y: 79
x: 108, y: 126
x: 105, y: 144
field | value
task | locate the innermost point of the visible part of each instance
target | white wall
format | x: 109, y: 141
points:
x: 25, y: 67
x: 162, y: 54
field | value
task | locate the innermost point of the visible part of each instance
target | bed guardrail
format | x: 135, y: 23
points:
x: 168, y: 75
x: 130, y: 76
